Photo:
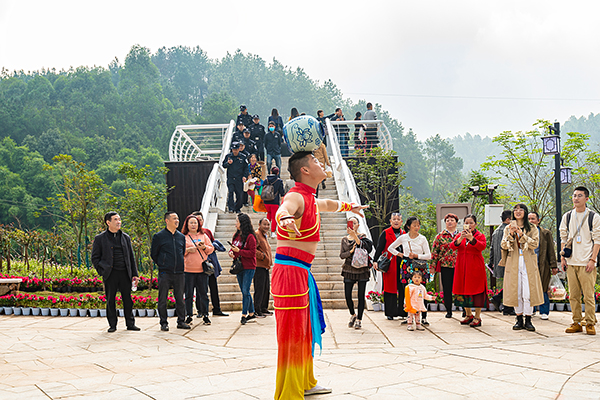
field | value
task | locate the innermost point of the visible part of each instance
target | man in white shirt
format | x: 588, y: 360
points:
x: 583, y: 227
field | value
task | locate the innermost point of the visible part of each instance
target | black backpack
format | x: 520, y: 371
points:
x: 590, y: 225
x: 268, y: 191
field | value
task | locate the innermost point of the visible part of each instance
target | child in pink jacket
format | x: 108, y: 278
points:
x: 414, y: 296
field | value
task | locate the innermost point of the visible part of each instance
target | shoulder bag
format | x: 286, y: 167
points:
x: 237, y: 266
x: 207, y: 267
x: 383, y: 263
x: 360, y: 259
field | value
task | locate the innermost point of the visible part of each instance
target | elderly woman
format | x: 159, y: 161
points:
x: 443, y: 258
x: 470, y: 278
x: 353, y: 275
x: 415, y: 252
x: 393, y: 288
x: 522, y: 284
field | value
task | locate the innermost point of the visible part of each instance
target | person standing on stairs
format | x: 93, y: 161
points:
x: 353, y: 274
x: 237, y: 168
x: 272, y: 205
x: 298, y: 309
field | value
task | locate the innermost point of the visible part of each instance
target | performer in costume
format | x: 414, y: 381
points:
x: 298, y: 309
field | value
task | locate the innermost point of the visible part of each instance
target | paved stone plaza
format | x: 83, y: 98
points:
x: 74, y: 358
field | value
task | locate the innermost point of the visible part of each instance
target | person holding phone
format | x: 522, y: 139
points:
x: 353, y: 275
x: 522, y: 283
x: 470, y: 279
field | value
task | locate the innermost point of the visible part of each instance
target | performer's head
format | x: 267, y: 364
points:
x: 305, y: 168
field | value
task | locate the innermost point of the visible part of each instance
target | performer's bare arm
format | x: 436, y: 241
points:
x: 291, y: 208
x: 337, y: 206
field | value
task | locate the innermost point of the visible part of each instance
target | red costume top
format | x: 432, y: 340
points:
x: 469, y: 272
x: 390, y: 278
x: 309, y: 224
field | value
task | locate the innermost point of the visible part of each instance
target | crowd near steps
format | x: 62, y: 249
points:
x: 326, y: 266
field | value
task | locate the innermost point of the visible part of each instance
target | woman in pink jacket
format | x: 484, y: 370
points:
x: 197, y: 248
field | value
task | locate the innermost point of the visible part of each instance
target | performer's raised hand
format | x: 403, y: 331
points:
x: 289, y: 224
x: 357, y: 208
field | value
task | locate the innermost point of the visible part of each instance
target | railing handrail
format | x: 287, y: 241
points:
x: 182, y: 147
x: 385, y: 138
x: 215, y: 182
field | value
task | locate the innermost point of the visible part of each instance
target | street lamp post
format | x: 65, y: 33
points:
x: 551, y: 146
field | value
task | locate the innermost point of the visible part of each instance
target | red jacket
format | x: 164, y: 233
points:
x: 390, y: 281
x: 248, y: 252
x: 469, y: 271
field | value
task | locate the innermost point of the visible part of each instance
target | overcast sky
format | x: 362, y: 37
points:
x: 446, y: 67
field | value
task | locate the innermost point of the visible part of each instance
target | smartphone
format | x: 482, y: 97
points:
x: 350, y: 225
x: 513, y: 223
x: 229, y: 243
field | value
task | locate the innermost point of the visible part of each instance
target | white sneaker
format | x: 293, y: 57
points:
x: 420, y: 328
x: 410, y: 328
x: 544, y: 316
x: 318, y: 389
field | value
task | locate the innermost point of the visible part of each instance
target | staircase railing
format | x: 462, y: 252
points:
x: 197, y: 142
x: 215, y: 195
x: 383, y: 134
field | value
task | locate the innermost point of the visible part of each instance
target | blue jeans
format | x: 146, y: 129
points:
x: 270, y: 159
x: 245, y: 280
x: 198, y: 281
x: 544, y: 308
x: 343, y: 138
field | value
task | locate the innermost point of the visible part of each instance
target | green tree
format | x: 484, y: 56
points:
x: 530, y: 173
x: 378, y: 179
x: 444, y: 167
x: 142, y: 205
x: 77, y: 199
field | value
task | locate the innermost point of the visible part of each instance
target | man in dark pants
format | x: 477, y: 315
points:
x: 257, y: 134
x: 167, y: 250
x: 237, y: 168
x: 112, y: 256
x: 264, y: 261
x: 497, y: 260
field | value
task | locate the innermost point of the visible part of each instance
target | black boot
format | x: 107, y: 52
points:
x: 528, y: 325
x: 519, y: 325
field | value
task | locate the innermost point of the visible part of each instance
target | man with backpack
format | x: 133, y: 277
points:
x: 580, y: 243
x: 272, y: 190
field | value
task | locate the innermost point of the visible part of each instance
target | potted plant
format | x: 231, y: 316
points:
x: 375, y: 298
x: 102, y: 310
x: 7, y: 302
x: 170, y: 306
x: 44, y: 305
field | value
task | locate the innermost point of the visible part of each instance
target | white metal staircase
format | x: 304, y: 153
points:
x: 194, y: 142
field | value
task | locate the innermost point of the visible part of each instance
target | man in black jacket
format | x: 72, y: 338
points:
x: 273, y: 142
x: 244, y: 117
x: 168, y: 248
x: 112, y: 256
x: 236, y: 165
x: 257, y: 134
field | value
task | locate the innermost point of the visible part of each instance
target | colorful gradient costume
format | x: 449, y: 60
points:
x: 298, y: 309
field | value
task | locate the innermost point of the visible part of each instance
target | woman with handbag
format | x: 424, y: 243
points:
x: 197, y: 248
x: 415, y: 251
x: 389, y: 265
x: 443, y: 258
x: 470, y: 279
x: 355, y: 251
x: 243, y: 249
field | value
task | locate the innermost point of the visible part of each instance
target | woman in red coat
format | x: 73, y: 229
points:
x: 470, y: 279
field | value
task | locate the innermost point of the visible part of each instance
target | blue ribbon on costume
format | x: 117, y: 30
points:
x: 317, y: 320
